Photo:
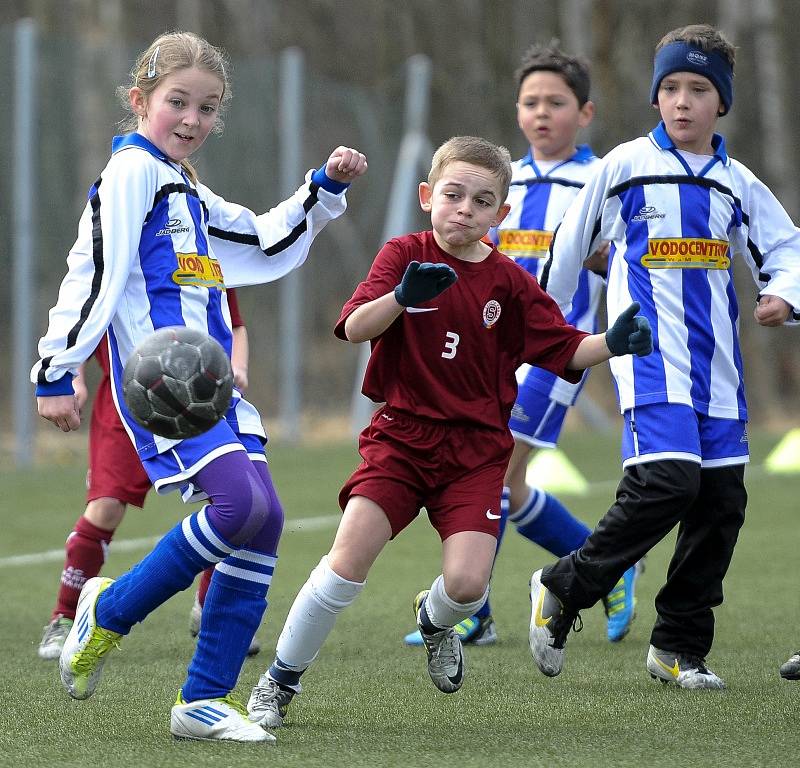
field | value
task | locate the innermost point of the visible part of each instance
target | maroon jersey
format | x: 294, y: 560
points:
x: 454, y: 358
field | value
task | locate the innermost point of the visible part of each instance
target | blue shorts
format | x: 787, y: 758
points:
x: 674, y: 431
x: 536, y: 419
x: 174, y: 468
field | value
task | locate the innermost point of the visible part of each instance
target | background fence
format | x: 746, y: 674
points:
x: 353, y: 85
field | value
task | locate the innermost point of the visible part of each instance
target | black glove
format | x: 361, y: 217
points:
x: 630, y: 334
x: 423, y: 282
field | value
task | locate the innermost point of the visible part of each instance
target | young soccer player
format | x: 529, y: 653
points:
x: 156, y: 248
x: 552, y: 107
x: 114, y: 480
x: 449, y: 319
x: 676, y: 209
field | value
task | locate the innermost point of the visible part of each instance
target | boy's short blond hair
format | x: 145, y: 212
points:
x: 475, y: 151
x: 703, y: 36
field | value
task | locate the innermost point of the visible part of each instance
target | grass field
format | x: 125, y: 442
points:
x: 368, y: 701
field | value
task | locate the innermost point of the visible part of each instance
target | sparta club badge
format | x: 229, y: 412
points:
x: 491, y: 313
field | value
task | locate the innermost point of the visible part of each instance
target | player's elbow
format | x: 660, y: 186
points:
x: 354, y: 331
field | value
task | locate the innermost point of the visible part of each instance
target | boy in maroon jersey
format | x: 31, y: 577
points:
x: 450, y: 319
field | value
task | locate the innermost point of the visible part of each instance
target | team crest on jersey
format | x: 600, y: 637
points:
x: 491, y: 313
x: 196, y: 269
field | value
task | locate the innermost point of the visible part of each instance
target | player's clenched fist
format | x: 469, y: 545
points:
x: 423, y: 282
x: 345, y: 164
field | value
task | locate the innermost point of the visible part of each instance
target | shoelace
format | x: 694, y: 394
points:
x: 443, y: 651
x: 694, y: 662
x: 102, y: 641
x: 562, y: 626
x: 270, y: 696
x: 234, y: 703
x: 57, y: 629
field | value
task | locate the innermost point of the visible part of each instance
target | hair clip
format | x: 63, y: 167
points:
x: 151, y: 65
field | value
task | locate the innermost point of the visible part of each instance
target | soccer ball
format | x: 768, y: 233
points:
x: 178, y: 382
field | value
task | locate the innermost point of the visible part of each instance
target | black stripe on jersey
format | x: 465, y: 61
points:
x: 97, y: 278
x: 169, y: 189
x: 299, y: 229
x: 548, y: 180
x: 699, y: 181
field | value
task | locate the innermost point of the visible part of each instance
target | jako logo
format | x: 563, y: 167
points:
x: 698, y: 58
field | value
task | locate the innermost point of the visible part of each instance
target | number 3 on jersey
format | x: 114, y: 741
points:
x: 450, y: 345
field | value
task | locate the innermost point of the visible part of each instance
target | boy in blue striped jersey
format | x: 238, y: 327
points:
x: 676, y: 209
x: 552, y: 107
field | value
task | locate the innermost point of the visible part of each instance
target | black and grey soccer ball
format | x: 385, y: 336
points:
x: 178, y: 382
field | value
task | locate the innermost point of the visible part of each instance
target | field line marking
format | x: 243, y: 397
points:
x: 147, y: 542
x: 298, y: 526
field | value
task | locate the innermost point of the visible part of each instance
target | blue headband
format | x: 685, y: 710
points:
x: 683, y: 57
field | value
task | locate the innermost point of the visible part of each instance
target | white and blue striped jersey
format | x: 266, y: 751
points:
x: 153, y: 250
x: 538, y: 201
x: 674, y: 233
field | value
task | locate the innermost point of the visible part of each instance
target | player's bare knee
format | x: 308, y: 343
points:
x: 105, y: 513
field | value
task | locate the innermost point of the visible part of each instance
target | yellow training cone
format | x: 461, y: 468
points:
x: 552, y: 471
x: 784, y: 459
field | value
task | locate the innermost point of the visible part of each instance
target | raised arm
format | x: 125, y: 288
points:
x: 420, y: 283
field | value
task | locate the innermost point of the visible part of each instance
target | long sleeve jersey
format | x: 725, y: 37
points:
x: 674, y: 234
x: 154, y: 249
x: 538, y: 202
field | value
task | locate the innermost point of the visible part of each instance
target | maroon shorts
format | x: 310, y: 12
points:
x: 115, y: 470
x: 455, y: 472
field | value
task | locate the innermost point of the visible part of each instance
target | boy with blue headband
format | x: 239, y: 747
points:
x: 676, y: 209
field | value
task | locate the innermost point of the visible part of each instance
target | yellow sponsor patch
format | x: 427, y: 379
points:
x: 194, y: 269
x: 524, y: 243
x: 686, y: 253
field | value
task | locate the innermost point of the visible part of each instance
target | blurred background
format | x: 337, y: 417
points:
x: 366, y: 73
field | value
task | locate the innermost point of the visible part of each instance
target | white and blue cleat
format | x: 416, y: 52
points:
x: 223, y: 719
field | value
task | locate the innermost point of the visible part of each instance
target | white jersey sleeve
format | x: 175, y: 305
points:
x: 255, y: 249
x: 577, y: 237
x: 98, y: 266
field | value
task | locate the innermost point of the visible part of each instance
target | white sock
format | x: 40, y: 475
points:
x: 445, y: 612
x: 312, y: 615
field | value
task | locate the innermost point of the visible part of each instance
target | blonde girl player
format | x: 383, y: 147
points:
x: 147, y: 221
x: 116, y: 479
x: 449, y: 319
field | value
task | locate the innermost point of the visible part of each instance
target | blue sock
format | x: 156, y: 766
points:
x: 545, y: 521
x: 190, y: 547
x: 232, y: 612
x: 285, y: 677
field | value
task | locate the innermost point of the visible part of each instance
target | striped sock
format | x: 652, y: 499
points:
x: 545, y: 521
x: 179, y: 556
x: 234, y: 606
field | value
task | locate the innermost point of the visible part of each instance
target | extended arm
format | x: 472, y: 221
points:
x: 630, y: 335
x: 254, y: 249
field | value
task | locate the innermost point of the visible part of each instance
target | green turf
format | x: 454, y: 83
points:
x: 368, y: 701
